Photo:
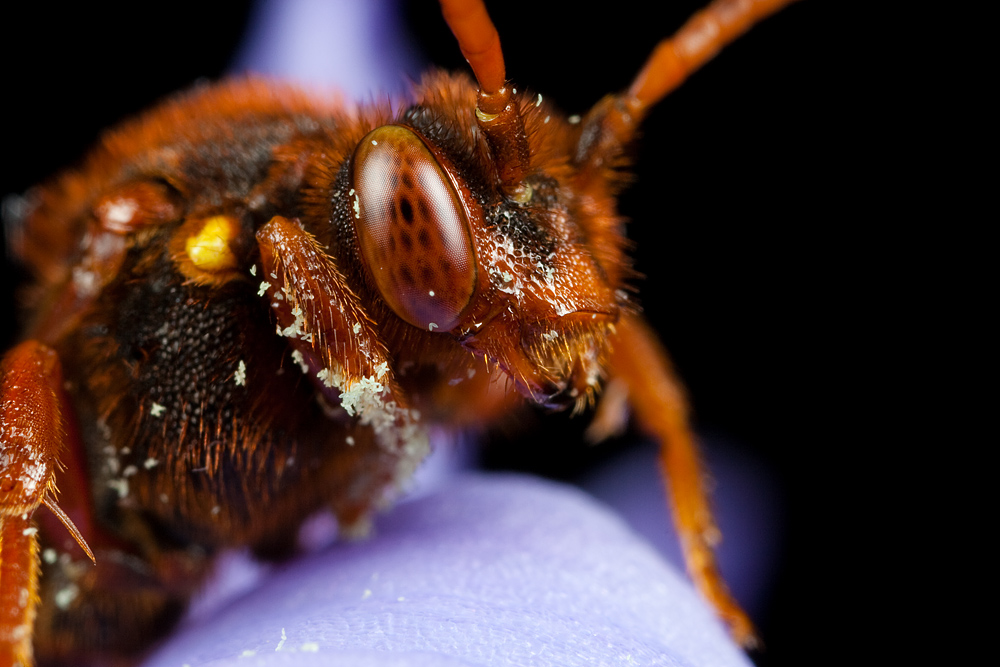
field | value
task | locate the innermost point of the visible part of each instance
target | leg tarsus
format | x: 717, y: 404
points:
x: 18, y: 589
x: 661, y: 408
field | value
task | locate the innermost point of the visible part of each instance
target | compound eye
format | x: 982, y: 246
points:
x: 412, y: 229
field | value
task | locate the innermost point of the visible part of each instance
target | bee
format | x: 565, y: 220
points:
x: 250, y: 303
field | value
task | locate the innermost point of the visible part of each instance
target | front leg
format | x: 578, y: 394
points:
x: 338, y: 347
x: 32, y: 434
x: 658, y: 399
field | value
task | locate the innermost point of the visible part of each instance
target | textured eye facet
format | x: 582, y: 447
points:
x: 412, y: 229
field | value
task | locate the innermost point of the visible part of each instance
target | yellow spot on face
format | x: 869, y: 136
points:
x: 209, y: 249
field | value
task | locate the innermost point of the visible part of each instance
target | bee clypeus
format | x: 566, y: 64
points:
x: 250, y: 304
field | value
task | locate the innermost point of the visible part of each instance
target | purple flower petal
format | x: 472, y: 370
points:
x: 489, y: 570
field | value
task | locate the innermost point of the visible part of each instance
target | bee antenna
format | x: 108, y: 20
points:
x: 697, y: 42
x: 498, y: 111
x: 614, y: 120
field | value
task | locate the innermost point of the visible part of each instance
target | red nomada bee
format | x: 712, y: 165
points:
x: 247, y: 229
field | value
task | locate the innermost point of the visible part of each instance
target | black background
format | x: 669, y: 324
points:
x: 740, y: 221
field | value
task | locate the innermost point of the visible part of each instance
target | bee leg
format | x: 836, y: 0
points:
x: 341, y: 351
x: 68, y: 607
x: 32, y: 433
x: 659, y: 403
x: 316, y: 309
x: 18, y: 589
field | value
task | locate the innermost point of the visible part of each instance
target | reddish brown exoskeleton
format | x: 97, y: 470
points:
x: 410, y: 265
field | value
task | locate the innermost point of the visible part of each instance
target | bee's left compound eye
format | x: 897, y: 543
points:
x: 412, y: 229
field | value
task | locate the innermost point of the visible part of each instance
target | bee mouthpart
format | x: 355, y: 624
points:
x: 554, y: 363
